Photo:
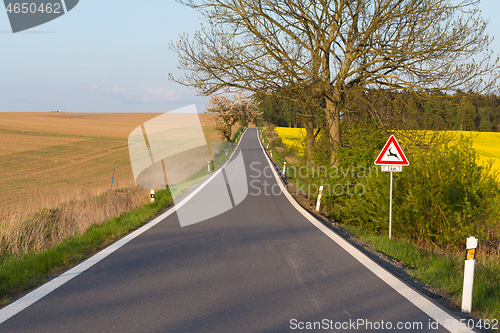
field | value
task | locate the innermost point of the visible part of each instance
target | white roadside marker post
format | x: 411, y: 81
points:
x: 208, y: 165
x: 319, y: 197
x: 152, y: 195
x: 284, y: 169
x: 271, y: 153
x: 226, y: 152
x: 267, y: 146
x: 470, y: 260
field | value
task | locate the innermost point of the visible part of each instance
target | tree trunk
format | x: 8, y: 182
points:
x: 310, y: 139
x: 333, y: 121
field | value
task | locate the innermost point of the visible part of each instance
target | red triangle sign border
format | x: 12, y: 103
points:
x: 392, y: 140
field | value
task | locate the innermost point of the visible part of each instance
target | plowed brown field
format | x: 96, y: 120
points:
x: 47, y: 158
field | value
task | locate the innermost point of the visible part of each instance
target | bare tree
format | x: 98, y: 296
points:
x: 335, y: 47
x: 229, y: 111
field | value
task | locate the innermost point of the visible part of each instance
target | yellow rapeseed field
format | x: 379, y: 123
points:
x: 487, y: 144
x: 293, y: 137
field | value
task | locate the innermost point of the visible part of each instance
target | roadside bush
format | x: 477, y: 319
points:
x: 443, y: 197
x: 276, y: 141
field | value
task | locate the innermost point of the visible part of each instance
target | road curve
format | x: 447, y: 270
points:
x: 259, y: 267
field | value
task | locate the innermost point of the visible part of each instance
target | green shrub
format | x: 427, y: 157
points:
x: 237, y: 133
x: 276, y: 142
x: 440, y: 199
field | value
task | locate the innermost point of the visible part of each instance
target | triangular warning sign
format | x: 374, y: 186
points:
x: 392, y: 154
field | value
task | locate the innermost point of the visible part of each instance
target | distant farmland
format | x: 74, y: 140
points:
x: 47, y: 158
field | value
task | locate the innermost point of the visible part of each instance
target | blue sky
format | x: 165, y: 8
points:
x: 110, y: 56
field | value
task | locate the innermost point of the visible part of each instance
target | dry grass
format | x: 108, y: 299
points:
x: 44, y: 227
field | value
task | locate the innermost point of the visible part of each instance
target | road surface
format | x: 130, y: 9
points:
x: 259, y: 267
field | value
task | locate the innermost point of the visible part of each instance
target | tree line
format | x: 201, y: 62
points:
x: 438, y: 111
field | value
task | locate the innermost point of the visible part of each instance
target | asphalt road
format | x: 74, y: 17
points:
x: 259, y: 267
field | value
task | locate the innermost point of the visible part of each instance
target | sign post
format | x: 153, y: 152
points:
x: 391, y: 159
x: 390, y: 210
x: 112, y: 178
x: 470, y: 260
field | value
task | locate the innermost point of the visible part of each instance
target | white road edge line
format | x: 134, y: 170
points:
x: 414, y: 297
x: 27, y: 300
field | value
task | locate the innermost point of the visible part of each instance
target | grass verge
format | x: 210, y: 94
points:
x: 443, y: 271
x: 19, y: 273
x: 237, y: 133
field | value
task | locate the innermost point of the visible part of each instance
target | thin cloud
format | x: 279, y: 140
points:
x: 120, y: 91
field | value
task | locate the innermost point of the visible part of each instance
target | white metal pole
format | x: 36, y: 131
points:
x: 284, y: 168
x: 152, y: 195
x: 319, y: 197
x: 470, y: 262
x: 390, y: 210
x: 208, y: 164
